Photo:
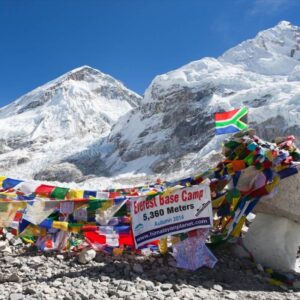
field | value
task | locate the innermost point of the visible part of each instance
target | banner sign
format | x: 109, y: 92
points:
x: 183, y: 210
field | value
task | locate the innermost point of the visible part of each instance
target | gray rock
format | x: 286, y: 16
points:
x: 13, y: 278
x: 30, y: 291
x: 86, y: 255
x: 296, y: 284
x: 47, y: 290
x: 3, y: 245
x: 16, y: 296
x: 56, y: 283
x: 231, y: 296
x: 63, y: 172
x: 138, y: 268
x: 208, y: 284
x: 202, y: 294
x: 166, y: 286
x: 35, y: 261
x: 218, y: 287
x: 122, y: 294
x: 9, y: 236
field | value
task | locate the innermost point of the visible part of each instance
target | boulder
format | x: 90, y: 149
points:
x: 274, y: 242
x: 86, y: 255
x: 286, y: 202
x: 274, y: 236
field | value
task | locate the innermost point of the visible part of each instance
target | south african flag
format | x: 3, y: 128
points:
x: 231, y: 121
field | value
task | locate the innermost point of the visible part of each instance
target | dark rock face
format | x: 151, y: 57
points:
x: 90, y: 165
x: 274, y: 127
x: 64, y: 172
x: 180, y: 126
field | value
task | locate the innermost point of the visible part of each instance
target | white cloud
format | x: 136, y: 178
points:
x: 270, y: 7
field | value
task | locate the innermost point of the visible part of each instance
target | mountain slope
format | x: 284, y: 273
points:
x: 86, y: 124
x: 275, y: 51
x: 173, y: 129
x: 60, y: 118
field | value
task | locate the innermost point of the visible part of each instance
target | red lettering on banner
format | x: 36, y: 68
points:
x: 196, y: 195
x: 168, y: 199
x: 140, y: 206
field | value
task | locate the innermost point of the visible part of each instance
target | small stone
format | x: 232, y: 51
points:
x: 16, y: 241
x: 217, y: 287
x: 35, y: 261
x: 9, y: 236
x: 166, y: 286
x: 3, y: 245
x: 5, y: 248
x: 86, y: 255
x: 203, y: 294
x: 47, y: 290
x: 138, y: 268
x: 296, y: 284
x: 60, y: 257
x: 231, y: 296
x: 122, y: 294
x: 29, y: 291
x: 149, y: 285
x: 260, y: 268
x: 56, y: 283
x: 208, y: 284
x: 16, y: 296
x: 105, y: 278
x: 13, y: 278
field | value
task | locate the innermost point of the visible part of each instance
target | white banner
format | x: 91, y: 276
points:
x: 183, y: 210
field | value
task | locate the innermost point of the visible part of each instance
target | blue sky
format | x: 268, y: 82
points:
x: 132, y: 40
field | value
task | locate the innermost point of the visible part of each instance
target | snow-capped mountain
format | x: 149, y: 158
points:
x: 173, y: 129
x: 60, y: 118
x: 70, y: 128
x: 275, y: 51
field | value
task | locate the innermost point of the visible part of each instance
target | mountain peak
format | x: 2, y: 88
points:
x: 275, y: 51
x: 285, y: 25
x: 84, y: 69
x: 84, y: 72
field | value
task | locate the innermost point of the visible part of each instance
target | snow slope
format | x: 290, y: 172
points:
x: 173, y: 128
x: 59, y: 119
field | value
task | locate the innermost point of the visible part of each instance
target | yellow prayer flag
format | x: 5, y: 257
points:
x: 74, y: 194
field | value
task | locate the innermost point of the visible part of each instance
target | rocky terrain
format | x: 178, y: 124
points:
x: 27, y: 274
